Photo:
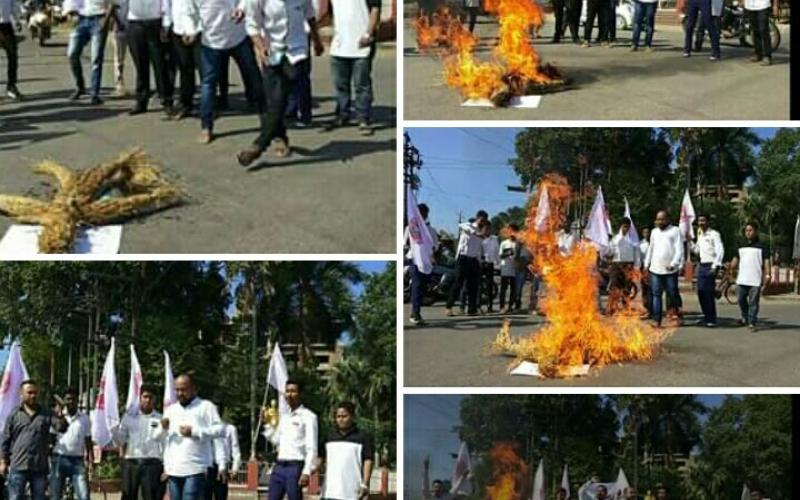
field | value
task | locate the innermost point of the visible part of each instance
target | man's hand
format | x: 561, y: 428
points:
x: 18, y: 26
x: 89, y: 467
x: 222, y: 476
x: 2, y: 467
x: 237, y: 15
x: 261, y: 48
x: 363, y: 491
x: 303, y: 482
x: 58, y: 410
x: 767, y: 279
x: 670, y: 269
x: 365, y: 40
x: 165, y: 424
x: 319, y: 48
x: 185, y: 430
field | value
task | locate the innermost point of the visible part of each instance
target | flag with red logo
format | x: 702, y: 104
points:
x: 105, y: 415
x: 13, y: 375
x: 134, y: 385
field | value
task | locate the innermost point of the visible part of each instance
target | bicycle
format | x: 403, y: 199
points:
x: 725, y: 286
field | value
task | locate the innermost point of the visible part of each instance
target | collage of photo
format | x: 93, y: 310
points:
x: 443, y: 250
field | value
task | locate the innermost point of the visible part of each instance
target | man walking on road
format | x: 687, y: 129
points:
x: 754, y: 263
x: 711, y: 251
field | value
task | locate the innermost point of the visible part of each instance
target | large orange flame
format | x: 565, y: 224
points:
x: 515, y: 60
x: 509, y: 473
x: 576, y: 333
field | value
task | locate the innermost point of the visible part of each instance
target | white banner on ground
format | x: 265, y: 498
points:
x: 277, y: 375
x: 134, y: 385
x: 420, y: 238
x: 105, y: 415
x: 518, y: 102
x: 24, y: 240
x: 462, y: 470
x: 13, y: 375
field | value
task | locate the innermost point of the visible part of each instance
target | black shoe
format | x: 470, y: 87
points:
x: 700, y: 322
x: 77, y: 94
x: 138, y: 110
x: 96, y: 101
x: 303, y: 124
x: 711, y: 325
x: 223, y: 104
x: 13, y: 92
x: 341, y: 121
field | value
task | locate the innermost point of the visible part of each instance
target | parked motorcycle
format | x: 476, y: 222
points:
x: 735, y: 23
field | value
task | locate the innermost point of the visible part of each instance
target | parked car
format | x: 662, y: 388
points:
x: 624, y: 15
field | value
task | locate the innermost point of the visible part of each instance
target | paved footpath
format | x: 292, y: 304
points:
x: 335, y: 194
x: 614, y: 83
x: 454, y: 352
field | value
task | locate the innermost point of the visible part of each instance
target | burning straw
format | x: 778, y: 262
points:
x: 79, y: 198
x: 576, y: 333
x: 516, y: 69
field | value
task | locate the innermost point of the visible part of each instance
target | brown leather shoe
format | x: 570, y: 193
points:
x: 205, y: 137
x: 247, y: 156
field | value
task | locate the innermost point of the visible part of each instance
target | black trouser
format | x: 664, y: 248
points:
x: 488, y: 281
x: 759, y: 20
x: 611, y: 19
x: 8, y: 41
x: 472, y: 14
x: 144, y: 39
x: 508, y: 282
x: 468, y: 270
x: 142, y: 474
x: 215, y: 489
x: 278, y: 82
x: 558, y: 10
x: 595, y: 9
x: 573, y: 19
x: 188, y: 61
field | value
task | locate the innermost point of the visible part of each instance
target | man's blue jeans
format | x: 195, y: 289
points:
x: 643, y: 13
x: 749, y: 297
x: 357, y: 70
x: 659, y: 283
x: 72, y: 467
x: 284, y: 481
x: 187, y: 487
x: 210, y: 67
x: 418, y: 282
x: 17, y: 480
x: 88, y: 29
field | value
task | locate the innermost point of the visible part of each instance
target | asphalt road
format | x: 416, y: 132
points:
x: 615, y: 84
x: 335, y: 194
x: 453, y: 352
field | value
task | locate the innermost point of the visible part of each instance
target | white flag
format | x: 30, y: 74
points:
x: 633, y: 234
x: 277, y: 375
x: 745, y: 492
x: 134, y: 386
x: 598, y: 227
x: 620, y: 485
x: 687, y: 217
x: 538, y: 483
x: 106, y: 407
x: 462, y: 472
x: 419, y: 237
x: 565, y: 482
x: 542, y: 211
x: 13, y: 375
x: 169, y: 383
x: 796, y: 247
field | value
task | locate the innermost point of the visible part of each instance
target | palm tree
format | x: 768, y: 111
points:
x: 671, y: 424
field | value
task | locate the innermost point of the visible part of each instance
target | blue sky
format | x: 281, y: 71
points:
x: 466, y: 169
x: 358, y: 290
x: 429, y: 420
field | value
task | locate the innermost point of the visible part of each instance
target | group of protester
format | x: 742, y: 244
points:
x: 655, y: 262
x: 188, y: 449
x: 271, y: 42
x: 702, y: 16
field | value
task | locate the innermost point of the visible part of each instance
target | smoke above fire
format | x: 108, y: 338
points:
x: 515, y: 68
x: 575, y: 332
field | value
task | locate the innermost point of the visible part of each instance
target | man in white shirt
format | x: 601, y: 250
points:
x: 227, y: 461
x: 759, y: 11
x: 754, y: 264
x: 93, y: 19
x: 711, y: 251
x: 148, y: 31
x: 72, y: 454
x: 624, y: 259
x: 296, y: 440
x: 219, y: 25
x: 468, y: 264
x: 355, y: 25
x: 10, y: 13
x: 435, y: 490
x: 508, y: 269
x: 419, y: 280
x: 647, y: 295
x: 491, y: 260
x: 142, y: 442
x: 663, y: 261
x: 278, y: 31
x: 190, y: 427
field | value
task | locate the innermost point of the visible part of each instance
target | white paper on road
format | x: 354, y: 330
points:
x: 525, y: 101
x: 527, y: 368
x: 24, y: 240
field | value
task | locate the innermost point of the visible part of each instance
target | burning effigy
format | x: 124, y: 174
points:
x: 516, y: 69
x: 118, y: 190
x: 576, y: 333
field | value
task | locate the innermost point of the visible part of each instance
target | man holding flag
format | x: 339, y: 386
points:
x: 72, y: 454
x: 25, y: 444
x: 422, y: 242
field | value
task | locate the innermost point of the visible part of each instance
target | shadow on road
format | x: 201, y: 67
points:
x: 341, y: 151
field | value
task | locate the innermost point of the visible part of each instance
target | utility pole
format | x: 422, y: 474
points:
x: 411, y: 163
